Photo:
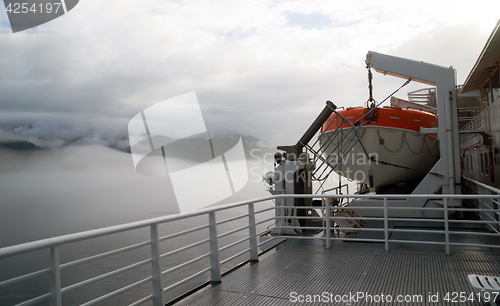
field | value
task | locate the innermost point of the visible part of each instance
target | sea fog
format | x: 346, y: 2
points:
x: 47, y: 193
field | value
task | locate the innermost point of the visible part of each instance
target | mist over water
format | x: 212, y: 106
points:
x: 46, y: 193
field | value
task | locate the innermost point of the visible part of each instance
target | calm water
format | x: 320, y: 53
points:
x: 46, y: 193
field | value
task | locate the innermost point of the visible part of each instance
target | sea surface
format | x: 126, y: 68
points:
x: 47, y: 193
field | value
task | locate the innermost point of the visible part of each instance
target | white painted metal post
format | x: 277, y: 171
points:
x: 327, y: 225
x: 489, y: 205
x: 215, y: 275
x: 446, y: 227
x: 156, y: 267
x: 494, y: 205
x: 482, y: 214
x: 386, y: 227
x: 449, y: 138
x: 252, y: 232
x: 456, y: 141
x: 55, y: 277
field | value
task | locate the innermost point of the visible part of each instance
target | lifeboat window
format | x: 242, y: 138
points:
x: 394, y: 117
x: 418, y: 120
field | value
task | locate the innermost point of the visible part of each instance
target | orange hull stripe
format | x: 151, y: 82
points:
x: 389, y: 117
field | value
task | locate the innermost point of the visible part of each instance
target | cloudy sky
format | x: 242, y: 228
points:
x: 262, y: 68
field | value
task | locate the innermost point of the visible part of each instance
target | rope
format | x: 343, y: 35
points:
x: 343, y: 148
x: 403, y: 167
x: 392, y: 151
x: 409, y: 147
x: 403, y: 140
x: 392, y: 94
x: 429, y: 149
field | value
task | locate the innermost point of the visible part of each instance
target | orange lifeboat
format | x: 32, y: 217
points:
x: 380, y: 147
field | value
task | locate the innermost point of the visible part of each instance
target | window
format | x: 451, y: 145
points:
x: 482, y: 162
x: 486, y: 167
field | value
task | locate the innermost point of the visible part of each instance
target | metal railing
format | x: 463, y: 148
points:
x: 424, y: 96
x: 156, y: 257
x: 488, y: 217
x: 476, y: 123
x: 491, y: 205
x: 342, y: 189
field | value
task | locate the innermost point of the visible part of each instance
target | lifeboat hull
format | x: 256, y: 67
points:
x: 385, y: 151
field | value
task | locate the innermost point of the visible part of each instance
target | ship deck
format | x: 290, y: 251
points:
x: 301, y: 269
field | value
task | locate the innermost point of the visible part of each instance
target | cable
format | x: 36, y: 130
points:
x: 409, y: 147
x: 405, y: 139
x: 373, y: 108
x: 383, y: 143
x: 403, y: 167
x: 429, y: 149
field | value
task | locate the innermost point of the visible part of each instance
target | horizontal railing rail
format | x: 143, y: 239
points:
x: 487, y: 218
x: 488, y: 213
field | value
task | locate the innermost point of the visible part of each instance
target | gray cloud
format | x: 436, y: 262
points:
x: 48, y: 130
x: 253, y: 73
x: 458, y: 46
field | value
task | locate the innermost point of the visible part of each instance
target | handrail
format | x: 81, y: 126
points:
x: 106, y: 275
x: 54, y: 243
x: 194, y: 229
x: 69, y: 238
x: 105, y: 254
x: 490, y: 188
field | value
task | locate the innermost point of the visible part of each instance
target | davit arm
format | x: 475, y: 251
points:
x: 444, y: 80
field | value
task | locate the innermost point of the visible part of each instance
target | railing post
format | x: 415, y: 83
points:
x: 252, y: 232
x: 328, y: 242
x: 386, y: 227
x: 481, y: 205
x: 215, y: 276
x: 492, y: 214
x: 55, y: 277
x: 446, y: 227
x: 156, y: 267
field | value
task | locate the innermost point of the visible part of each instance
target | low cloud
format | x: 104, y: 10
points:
x: 54, y: 131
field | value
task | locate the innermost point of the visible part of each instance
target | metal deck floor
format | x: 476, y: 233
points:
x: 310, y: 269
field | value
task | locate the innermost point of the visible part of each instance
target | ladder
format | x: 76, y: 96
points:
x: 349, y: 223
x: 344, y: 212
x: 342, y: 138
